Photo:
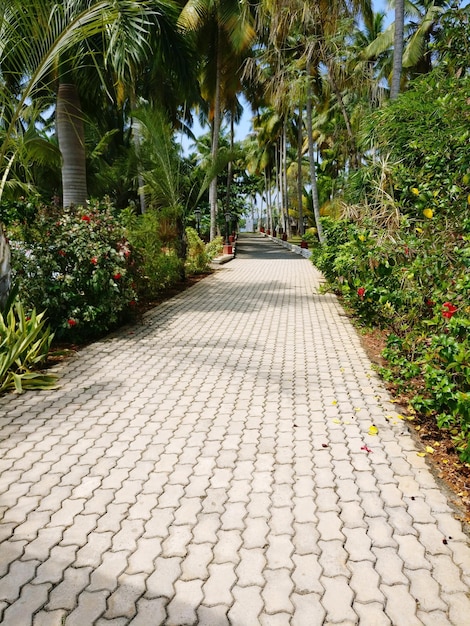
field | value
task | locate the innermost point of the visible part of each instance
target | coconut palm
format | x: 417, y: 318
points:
x: 33, y: 37
x: 224, y: 31
x: 420, y: 18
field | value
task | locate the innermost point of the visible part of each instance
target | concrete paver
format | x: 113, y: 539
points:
x: 213, y: 466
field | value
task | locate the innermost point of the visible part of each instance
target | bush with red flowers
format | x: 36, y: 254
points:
x: 416, y: 286
x: 77, y: 265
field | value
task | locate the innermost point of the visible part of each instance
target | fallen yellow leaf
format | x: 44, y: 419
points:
x: 373, y: 430
x: 336, y: 421
x: 421, y: 454
x: 429, y: 449
x: 335, y: 402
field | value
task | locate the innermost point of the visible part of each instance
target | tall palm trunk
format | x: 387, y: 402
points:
x: 285, y: 186
x: 311, y: 158
x: 230, y: 163
x: 299, y: 172
x: 216, y: 121
x: 5, y: 268
x: 397, y: 48
x: 71, y: 135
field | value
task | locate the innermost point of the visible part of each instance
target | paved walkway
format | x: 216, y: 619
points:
x: 214, y: 466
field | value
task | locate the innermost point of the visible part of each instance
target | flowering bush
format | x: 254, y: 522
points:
x: 77, y: 265
x: 416, y: 284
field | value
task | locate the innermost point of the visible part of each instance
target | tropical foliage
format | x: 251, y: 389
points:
x: 24, y: 346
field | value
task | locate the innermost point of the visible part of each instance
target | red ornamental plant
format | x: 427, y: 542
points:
x: 361, y: 292
x: 86, y: 218
x: 449, y: 310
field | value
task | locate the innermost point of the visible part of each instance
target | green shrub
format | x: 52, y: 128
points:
x: 157, y: 265
x: 415, y: 282
x: 77, y: 265
x: 24, y: 346
x: 214, y: 248
x: 197, y: 258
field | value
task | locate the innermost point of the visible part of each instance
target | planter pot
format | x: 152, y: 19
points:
x: 284, y: 237
x: 304, y: 244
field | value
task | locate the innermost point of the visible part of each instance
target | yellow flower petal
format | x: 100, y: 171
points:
x: 335, y: 402
x: 415, y: 191
x: 421, y: 454
x: 373, y: 430
x: 428, y: 213
x: 429, y: 449
x: 336, y: 421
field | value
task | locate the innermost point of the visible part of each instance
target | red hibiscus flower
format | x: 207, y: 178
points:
x: 361, y: 292
x: 117, y: 276
x: 94, y: 260
x: 448, y: 310
x: 71, y: 322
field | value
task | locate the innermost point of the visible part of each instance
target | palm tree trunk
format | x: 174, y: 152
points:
x: 230, y: 164
x: 397, y: 48
x: 299, y: 172
x: 71, y: 135
x: 5, y: 268
x: 216, y: 121
x: 285, y: 196
x: 311, y: 158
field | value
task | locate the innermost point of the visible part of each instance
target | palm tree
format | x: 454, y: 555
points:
x: 34, y: 36
x: 419, y: 27
x: 224, y: 30
x: 398, y: 43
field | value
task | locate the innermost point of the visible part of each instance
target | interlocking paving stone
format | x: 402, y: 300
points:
x: 206, y: 466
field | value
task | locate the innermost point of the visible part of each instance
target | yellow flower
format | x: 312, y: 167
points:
x: 362, y: 238
x: 428, y: 213
x: 468, y: 198
x: 415, y: 191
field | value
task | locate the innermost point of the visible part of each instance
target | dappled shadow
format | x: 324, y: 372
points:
x: 262, y: 248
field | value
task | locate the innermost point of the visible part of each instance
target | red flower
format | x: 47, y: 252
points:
x: 86, y: 218
x: 132, y: 303
x: 94, y: 260
x: 430, y: 302
x: 61, y: 252
x: 406, y: 250
x: 361, y: 292
x: 117, y: 276
x: 449, y: 310
x: 71, y: 322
